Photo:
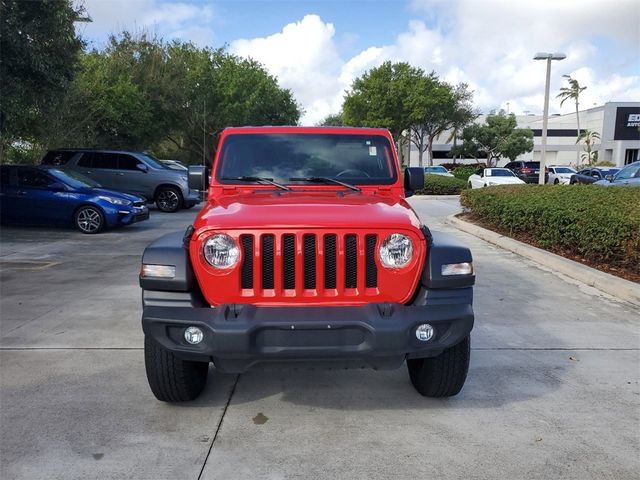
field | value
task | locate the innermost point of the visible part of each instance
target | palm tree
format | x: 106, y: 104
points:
x: 573, y: 91
x: 589, y: 137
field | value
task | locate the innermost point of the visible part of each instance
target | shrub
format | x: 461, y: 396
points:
x: 441, y: 185
x: 599, y: 224
x: 463, y: 172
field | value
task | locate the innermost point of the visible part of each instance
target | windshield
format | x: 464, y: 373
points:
x: 435, y: 169
x: 73, y: 179
x: 564, y: 170
x: 153, y: 162
x: 499, y: 172
x: 364, y: 159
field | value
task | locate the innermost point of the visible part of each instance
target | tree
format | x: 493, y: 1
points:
x: 173, y: 99
x: 498, y: 137
x: 436, y: 108
x: 39, y: 53
x: 382, y: 98
x: 332, y: 120
x: 589, y: 137
x: 573, y: 92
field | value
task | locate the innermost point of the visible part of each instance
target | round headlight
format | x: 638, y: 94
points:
x: 221, y: 251
x: 396, y: 251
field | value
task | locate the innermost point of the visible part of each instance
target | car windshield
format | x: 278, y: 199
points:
x: 532, y: 164
x: 363, y: 159
x: 499, y: 172
x: 435, y: 169
x: 153, y: 162
x: 609, y: 171
x: 564, y: 170
x: 73, y: 179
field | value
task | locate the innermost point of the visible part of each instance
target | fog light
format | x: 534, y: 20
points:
x: 193, y: 335
x: 424, y: 332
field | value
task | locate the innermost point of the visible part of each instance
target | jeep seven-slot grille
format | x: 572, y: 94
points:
x: 297, y: 262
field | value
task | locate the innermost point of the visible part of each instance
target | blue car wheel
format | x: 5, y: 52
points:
x: 89, y: 219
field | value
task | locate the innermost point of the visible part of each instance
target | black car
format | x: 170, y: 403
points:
x: 587, y: 176
x: 528, y: 172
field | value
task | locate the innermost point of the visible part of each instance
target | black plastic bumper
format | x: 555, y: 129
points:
x: 376, y: 335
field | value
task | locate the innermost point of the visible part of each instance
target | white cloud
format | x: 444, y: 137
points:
x: 488, y: 44
x: 172, y: 20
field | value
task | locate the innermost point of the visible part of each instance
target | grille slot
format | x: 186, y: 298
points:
x: 351, y: 261
x: 309, y: 261
x: 371, y: 269
x: 289, y: 262
x: 330, y: 261
x: 247, y: 261
x: 267, y: 261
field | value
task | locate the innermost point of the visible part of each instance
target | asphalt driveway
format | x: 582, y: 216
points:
x: 553, y: 389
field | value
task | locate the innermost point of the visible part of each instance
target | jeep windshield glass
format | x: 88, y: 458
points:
x: 352, y: 159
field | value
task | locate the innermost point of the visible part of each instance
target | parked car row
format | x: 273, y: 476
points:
x: 560, y: 175
x: 92, y: 189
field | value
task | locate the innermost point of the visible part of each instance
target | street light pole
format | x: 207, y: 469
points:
x: 545, y: 115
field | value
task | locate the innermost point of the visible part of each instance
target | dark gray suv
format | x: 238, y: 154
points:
x: 132, y: 172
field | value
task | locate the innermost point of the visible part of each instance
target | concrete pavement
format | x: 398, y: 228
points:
x: 553, y: 389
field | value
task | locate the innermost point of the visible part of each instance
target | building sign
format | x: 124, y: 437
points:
x: 627, y: 123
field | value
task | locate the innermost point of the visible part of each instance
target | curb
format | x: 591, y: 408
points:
x: 436, y: 197
x: 605, y: 282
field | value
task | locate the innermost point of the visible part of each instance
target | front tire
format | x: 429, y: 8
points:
x: 444, y: 375
x: 173, y: 379
x: 169, y: 199
x: 556, y: 181
x: 89, y: 220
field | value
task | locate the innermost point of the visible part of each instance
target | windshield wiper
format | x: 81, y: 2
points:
x: 257, y: 179
x: 324, y: 180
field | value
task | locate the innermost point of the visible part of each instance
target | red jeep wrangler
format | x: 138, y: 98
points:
x: 306, y: 251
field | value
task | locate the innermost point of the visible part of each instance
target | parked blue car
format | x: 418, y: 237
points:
x: 629, y: 176
x: 53, y: 196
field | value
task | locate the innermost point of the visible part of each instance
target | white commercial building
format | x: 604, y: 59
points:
x: 617, y: 123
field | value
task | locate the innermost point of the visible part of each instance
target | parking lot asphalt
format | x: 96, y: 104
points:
x: 553, y: 389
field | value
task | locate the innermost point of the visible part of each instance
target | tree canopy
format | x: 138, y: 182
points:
x: 141, y: 93
x: 39, y: 54
x: 413, y: 105
x: 497, y: 137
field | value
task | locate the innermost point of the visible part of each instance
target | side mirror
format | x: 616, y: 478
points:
x: 609, y: 177
x: 198, y: 178
x: 142, y: 167
x: 413, y: 180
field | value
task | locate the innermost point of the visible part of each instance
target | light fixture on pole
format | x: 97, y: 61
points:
x: 545, y: 115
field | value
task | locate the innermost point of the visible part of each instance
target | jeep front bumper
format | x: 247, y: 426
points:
x: 237, y: 337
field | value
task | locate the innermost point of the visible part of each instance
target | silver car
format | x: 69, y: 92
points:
x: 629, y: 176
x: 131, y: 172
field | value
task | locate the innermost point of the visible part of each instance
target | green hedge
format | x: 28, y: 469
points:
x: 464, y: 171
x: 441, y: 185
x: 599, y: 224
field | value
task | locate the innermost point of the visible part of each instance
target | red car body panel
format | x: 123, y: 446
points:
x: 258, y: 210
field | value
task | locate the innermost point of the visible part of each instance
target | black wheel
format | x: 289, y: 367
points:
x: 470, y: 186
x: 172, y: 379
x: 89, y: 219
x: 444, y: 375
x: 556, y: 181
x: 169, y: 199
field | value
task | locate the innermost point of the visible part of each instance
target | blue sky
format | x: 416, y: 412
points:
x: 316, y: 48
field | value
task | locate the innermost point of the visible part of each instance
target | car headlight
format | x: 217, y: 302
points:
x: 221, y: 251
x: 396, y: 251
x: 114, y: 201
